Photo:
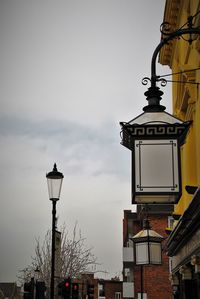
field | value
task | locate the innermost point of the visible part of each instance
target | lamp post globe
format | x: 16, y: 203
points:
x: 54, y: 182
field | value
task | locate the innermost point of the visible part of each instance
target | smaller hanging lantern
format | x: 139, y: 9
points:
x: 147, y: 246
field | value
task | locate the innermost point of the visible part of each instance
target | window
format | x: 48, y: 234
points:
x: 128, y: 273
x: 101, y: 290
x: 170, y: 222
x: 117, y: 295
x: 129, y: 242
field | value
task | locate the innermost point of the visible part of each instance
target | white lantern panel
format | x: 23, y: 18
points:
x: 54, y: 187
x: 156, y: 166
x: 142, y: 253
x: 155, y: 253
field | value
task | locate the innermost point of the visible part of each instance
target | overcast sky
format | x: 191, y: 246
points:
x: 70, y: 71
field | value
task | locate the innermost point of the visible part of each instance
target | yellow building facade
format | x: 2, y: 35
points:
x: 183, y: 244
x: 184, y: 59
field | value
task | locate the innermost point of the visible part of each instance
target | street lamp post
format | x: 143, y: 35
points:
x: 54, y: 182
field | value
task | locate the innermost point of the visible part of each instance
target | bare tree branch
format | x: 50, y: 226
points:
x: 76, y: 257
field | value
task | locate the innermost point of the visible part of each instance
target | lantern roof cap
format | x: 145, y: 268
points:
x: 155, y: 118
x: 150, y: 125
x: 54, y: 174
x: 147, y: 233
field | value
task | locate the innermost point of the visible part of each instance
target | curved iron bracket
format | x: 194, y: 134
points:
x: 173, y: 35
x: 153, y: 93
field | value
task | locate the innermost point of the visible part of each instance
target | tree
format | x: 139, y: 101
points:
x: 76, y: 257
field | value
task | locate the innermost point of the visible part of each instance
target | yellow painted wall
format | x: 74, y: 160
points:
x: 186, y: 98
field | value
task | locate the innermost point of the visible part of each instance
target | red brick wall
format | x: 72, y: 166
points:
x: 111, y: 287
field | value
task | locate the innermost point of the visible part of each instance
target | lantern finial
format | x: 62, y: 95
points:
x: 55, y: 167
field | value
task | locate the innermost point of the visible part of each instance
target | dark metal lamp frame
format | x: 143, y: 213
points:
x: 132, y: 131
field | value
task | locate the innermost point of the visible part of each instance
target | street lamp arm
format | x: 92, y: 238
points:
x: 154, y: 94
x: 166, y: 40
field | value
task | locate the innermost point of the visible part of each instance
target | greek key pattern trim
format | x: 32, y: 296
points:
x: 156, y: 130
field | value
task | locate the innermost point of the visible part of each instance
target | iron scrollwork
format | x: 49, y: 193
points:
x: 187, y: 32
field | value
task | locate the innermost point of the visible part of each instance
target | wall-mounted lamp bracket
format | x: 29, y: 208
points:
x: 186, y: 29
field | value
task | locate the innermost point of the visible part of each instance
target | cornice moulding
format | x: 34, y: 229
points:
x: 172, y: 8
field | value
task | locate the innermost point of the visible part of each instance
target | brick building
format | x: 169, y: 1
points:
x: 102, y: 288
x: 155, y: 280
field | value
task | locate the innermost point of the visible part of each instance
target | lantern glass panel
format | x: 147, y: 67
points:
x: 155, y: 253
x: 54, y: 187
x: 156, y: 166
x: 141, y: 253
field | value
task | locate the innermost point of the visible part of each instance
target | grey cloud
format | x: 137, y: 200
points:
x: 80, y: 146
